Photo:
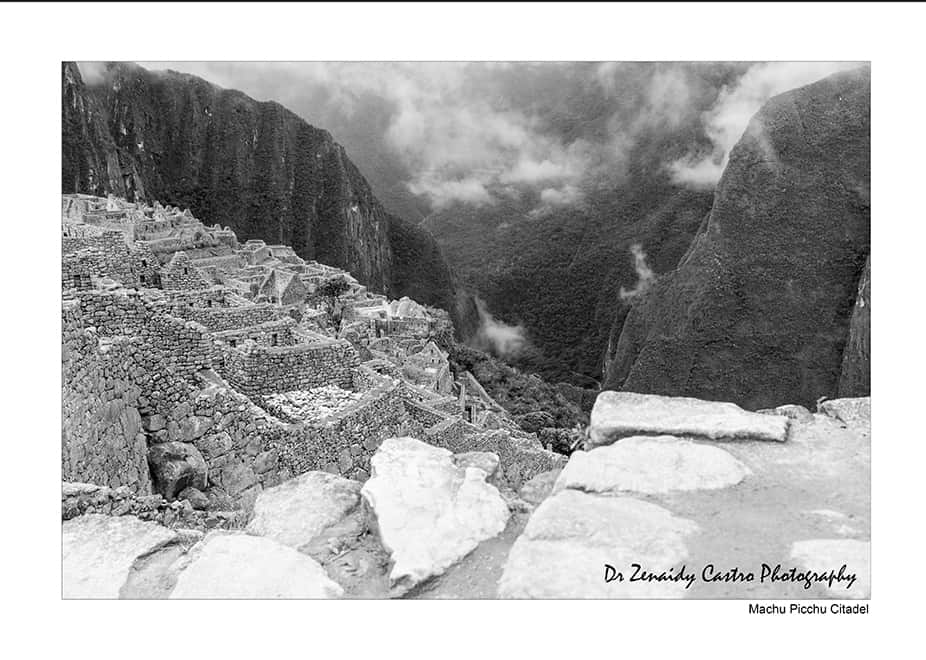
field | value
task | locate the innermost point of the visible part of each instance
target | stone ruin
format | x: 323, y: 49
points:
x: 199, y: 371
x: 234, y: 429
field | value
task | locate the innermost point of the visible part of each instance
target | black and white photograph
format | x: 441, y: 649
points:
x: 413, y: 311
x: 578, y: 326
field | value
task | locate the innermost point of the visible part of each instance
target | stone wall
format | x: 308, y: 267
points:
x: 423, y: 414
x: 219, y: 319
x: 102, y: 438
x: 274, y: 333
x: 180, y: 273
x: 176, y: 299
x: 449, y: 405
x: 186, y: 345
x: 108, y: 255
x: 521, y: 456
x: 134, y: 377
x: 78, y: 499
x: 344, y: 443
x: 121, y: 365
x: 261, y: 370
x: 411, y: 327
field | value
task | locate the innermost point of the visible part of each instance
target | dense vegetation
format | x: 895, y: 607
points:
x: 558, y: 270
x: 534, y: 403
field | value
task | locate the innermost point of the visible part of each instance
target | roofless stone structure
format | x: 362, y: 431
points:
x: 200, y: 369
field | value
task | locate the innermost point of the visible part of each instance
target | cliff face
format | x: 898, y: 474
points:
x: 758, y: 310
x: 855, y: 379
x: 253, y: 166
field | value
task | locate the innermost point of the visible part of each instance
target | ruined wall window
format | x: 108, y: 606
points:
x: 273, y: 339
x: 141, y: 278
x: 232, y: 343
x: 144, y: 263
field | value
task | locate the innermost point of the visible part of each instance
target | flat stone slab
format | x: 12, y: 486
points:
x: 824, y: 555
x: 619, y: 415
x: 572, y: 535
x: 299, y: 510
x: 239, y: 565
x: 430, y: 512
x: 651, y: 465
x: 98, y: 552
x: 849, y: 411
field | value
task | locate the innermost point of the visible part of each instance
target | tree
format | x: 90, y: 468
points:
x: 334, y: 287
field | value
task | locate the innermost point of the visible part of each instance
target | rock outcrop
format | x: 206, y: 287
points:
x: 651, y: 465
x: 572, y: 535
x: 855, y: 379
x: 854, y: 411
x: 824, y: 555
x: 253, y: 166
x: 176, y: 466
x: 99, y: 551
x: 237, y: 565
x: 619, y: 415
x: 758, y: 311
x: 300, y: 511
x: 430, y: 512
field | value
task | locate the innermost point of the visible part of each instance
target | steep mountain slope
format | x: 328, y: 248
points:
x: 758, y: 310
x: 560, y: 275
x: 855, y: 379
x: 253, y: 166
x: 557, y: 268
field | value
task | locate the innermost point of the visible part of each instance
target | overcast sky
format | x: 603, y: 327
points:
x: 464, y: 131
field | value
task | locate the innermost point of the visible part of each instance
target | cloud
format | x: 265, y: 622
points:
x: 453, y: 126
x: 93, y: 73
x: 497, y: 337
x: 564, y: 196
x: 725, y: 122
x: 430, y: 134
x: 443, y: 192
x: 645, y: 274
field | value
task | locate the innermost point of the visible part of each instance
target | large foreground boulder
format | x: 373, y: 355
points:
x: 619, y: 415
x: 176, y: 466
x: 302, y: 511
x: 849, y: 411
x: 572, y: 535
x: 430, y: 512
x: 238, y: 565
x: 758, y: 311
x: 825, y: 555
x: 650, y: 466
x: 98, y: 552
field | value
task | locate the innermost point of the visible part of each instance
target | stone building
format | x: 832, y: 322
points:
x: 180, y: 273
x: 172, y: 385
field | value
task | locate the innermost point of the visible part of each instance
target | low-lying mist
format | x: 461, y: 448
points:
x: 497, y: 337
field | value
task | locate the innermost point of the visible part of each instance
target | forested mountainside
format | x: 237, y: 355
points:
x: 771, y: 304
x: 557, y: 268
x: 253, y: 166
